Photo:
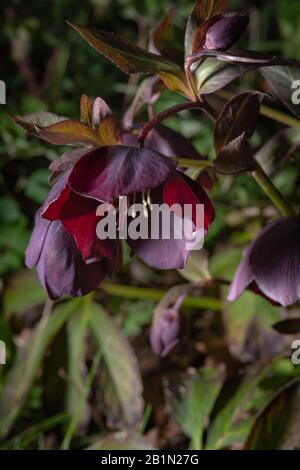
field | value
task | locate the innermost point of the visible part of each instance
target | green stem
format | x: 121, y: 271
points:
x: 145, y: 293
x: 282, y: 204
x: 189, y: 163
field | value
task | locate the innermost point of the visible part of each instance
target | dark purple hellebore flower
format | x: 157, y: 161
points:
x: 271, y: 264
x: 107, y: 173
x: 226, y: 31
x: 59, y: 262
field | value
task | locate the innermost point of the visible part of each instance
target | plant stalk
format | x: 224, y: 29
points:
x: 263, y: 180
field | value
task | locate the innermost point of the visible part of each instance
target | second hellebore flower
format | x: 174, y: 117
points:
x: 271, y: 264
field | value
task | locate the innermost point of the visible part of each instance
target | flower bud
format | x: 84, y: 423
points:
x: 165, y: 332
x: 226, y: 31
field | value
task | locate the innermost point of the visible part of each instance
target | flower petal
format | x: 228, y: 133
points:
x: 106, y: 173
x: 243, y: 277
x: 61, y: 267
x: 275, y: 261
x: 78, y: 216
x: 180, y: 189
x: 41, y: 225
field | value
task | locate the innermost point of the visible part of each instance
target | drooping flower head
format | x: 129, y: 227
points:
x: 271, y: 264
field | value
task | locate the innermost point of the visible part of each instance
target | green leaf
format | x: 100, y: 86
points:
x: 213, y: 75
x: 239, y: 318
x: 121, y: 441
x: 125, y: 55
x: 277, y: 427
x: 38, y: 186
x: 23, y: 292
x: 281, y: 79
x: 193, y: 406
x: 22, y: 374
x: 226, y: 425
x: 76, y: 336
x: 122, y: 392
x: 197, y: 269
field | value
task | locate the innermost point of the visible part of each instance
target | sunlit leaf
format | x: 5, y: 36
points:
x: 86, y: 107
x: 110, y: 131
x: 69, y: 132
x: 176, y: 84
x: 35, y: 120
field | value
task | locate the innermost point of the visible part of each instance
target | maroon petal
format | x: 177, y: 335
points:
x: 106, y: 173
x: 61, y: 267
x: 78, y: 216
x: 180, y: 189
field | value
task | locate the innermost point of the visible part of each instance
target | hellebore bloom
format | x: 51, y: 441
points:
x: 59, y: 262
x: 105, y: 174
x: 271, y: 264
x: 165, y: 332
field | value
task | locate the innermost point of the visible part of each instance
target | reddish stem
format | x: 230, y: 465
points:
x: 169, y: 112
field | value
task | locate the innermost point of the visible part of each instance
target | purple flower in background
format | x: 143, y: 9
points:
x: 271, y: 264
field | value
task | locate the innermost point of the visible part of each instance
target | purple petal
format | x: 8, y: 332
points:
x: 61, y: 267
x: 275, y: 261
x: 106, y: 173
x: 226, y: 31
x: 243, y: 277
x: 41, y: 225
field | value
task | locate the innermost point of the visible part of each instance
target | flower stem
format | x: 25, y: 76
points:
x: 145, y: 293
x: 189, y: 163
x: 282, y: 204
x: 166, y: 113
